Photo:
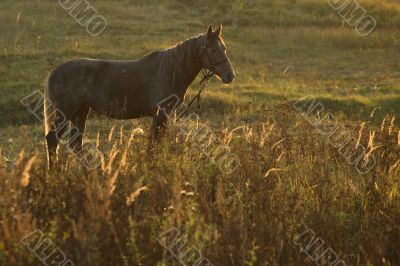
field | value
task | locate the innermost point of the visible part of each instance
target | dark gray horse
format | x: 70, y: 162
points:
x: 127, y: 89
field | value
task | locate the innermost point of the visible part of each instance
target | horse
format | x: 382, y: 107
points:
x: 127, y: 89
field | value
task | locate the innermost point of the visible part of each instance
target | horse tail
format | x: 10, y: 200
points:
x: 49, y: 110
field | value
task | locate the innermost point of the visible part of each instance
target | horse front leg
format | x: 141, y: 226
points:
x: 157, y: 130
x: 159, y: 126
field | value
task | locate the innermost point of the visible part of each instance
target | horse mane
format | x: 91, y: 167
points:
x: 182, y: 58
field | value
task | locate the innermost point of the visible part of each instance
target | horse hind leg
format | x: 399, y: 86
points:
x: 55, y: 129
x: 52, y: 146
x: 78, y: 124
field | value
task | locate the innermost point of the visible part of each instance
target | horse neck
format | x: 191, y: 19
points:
x: 188, y: 65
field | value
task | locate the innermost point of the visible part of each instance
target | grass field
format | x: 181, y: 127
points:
x: 292, y: 181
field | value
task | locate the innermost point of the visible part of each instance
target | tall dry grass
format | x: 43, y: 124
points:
x: 289, y: 177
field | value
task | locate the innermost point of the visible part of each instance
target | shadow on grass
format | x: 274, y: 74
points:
x: 13, y: 113
x: 356, y: 110
x: 245, y: 105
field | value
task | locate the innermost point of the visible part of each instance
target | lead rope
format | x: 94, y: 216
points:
x: 207, y: 74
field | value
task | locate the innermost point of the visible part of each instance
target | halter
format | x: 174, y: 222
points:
x: 207, y: 74
x: 212, y: 64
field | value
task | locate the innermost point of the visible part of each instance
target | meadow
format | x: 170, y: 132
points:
x: 296, y: 197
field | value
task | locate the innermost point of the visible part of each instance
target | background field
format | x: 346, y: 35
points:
x: 282, y: 50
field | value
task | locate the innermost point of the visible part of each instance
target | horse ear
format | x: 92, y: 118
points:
x: 209, y: 31
x: 219, y: 31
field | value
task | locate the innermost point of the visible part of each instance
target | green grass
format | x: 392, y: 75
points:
x: 282, y: 50
x: 323, y: 56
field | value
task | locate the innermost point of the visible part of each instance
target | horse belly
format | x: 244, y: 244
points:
x: 122, y: 103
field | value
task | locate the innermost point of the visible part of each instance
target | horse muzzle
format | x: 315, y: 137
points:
x: 228, y: 78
